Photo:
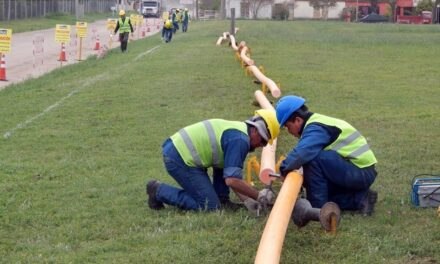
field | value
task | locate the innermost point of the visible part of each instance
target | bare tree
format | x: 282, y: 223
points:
x: 324, y: 5
x: 393, y: 5
x: 255, y: 6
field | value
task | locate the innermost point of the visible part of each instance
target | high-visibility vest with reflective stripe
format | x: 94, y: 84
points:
x: 124, y: 26
x: 199, y: 144
x: 350, y: 144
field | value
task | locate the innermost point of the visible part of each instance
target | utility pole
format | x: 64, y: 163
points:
x: 357, y: 10
x: 197, y: 9
x: 76, y: 9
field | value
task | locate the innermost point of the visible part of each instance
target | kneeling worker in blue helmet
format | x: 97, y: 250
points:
x: 221, y: 145
x: 338, y: 164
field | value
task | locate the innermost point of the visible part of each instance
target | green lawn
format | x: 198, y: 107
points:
x: 79, y: 144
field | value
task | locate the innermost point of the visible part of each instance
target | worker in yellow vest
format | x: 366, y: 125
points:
x: 125, y: 28
x: 167, y: 31
x: 221, y: 145
x: 185, y: 20
x: 175, y: 19
x: 337, y: 162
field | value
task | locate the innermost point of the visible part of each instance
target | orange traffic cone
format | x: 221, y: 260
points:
x: 2, y: 67
x: 97, y: 44
x: 62, y: 53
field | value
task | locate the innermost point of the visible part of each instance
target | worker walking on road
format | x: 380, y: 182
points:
x: 125, y: 28
x: 223, y: 146
x: 337, y: 162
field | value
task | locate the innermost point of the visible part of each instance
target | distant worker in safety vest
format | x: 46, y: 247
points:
x: 221, y: 145
x: 167, y: 30
x: 337, y: 162
x: 174, y: 19
x: 185, y: 20
x: 125, y: 28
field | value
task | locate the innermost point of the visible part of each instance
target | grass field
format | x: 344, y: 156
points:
x: 79, y: 144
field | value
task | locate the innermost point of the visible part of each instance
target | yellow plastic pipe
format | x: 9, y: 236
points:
x: 219, y: 41
x: 233, y: 44
x: 271, y: 243
x: 268, y: 154
x: 244, y: 56
x: 224, y: 37
x: 274, y: 90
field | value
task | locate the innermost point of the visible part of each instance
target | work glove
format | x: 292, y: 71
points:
x: 252, y: 206
x: 266, y: 198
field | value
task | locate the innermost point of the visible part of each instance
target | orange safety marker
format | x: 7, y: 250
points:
x: 62, y: 53
x: 2, y: 67
x: 97, y: 43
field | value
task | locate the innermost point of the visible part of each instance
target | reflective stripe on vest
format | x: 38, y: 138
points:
x: 199, y: 144
x: 124, y: 26
x: 350, y: 144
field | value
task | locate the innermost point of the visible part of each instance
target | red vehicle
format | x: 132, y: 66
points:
x: 424, y: 18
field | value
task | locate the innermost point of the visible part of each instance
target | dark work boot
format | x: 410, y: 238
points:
x: 153, y: 203
x: 367, y: 204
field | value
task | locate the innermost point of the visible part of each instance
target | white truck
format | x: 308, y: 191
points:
x: 151, y: 8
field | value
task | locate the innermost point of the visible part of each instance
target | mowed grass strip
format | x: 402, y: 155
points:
x: 83, y: 140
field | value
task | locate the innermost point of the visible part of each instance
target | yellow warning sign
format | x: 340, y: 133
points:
x: 140, y: 19
x: 5, y: 39
x: 62, y: 33
x: 81, y: 29
x: 111, y: 24
x: 135, y: 19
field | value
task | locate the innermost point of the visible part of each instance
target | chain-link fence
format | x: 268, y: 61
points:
x: 22, y: 9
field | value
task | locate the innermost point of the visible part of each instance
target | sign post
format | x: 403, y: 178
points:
x: 62, y: 35
x: 81, y: 32
x: 111, y: 25
x: 5, y: 46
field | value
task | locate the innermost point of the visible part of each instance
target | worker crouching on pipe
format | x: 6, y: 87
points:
x: 337, y: 162
x: 223, y: 146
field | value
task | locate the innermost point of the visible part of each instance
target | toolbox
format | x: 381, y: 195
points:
x: 426, y: 191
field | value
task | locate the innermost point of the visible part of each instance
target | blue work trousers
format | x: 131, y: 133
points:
x: 167, y: 34
x: 329, y: 177
x: 175, y: 26
x: 184, y: 26
x: 198, y: 192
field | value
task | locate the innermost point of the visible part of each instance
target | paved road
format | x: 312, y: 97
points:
x: 36, y: 53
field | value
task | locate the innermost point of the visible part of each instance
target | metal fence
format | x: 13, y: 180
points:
x: 22, y: 9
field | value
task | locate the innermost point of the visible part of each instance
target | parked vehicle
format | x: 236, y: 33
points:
x: 424, y: 18
x: 151, y: 8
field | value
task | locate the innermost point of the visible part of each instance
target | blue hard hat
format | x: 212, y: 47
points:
x: 286, y: 106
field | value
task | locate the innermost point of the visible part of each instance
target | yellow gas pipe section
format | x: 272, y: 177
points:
x: 271, y: 243
x: 252, y: 166
x: 268, y: 153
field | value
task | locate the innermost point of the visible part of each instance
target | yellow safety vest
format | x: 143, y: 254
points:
x: 350, y: 144
x: 199, y: 144
x: 124, y: 26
